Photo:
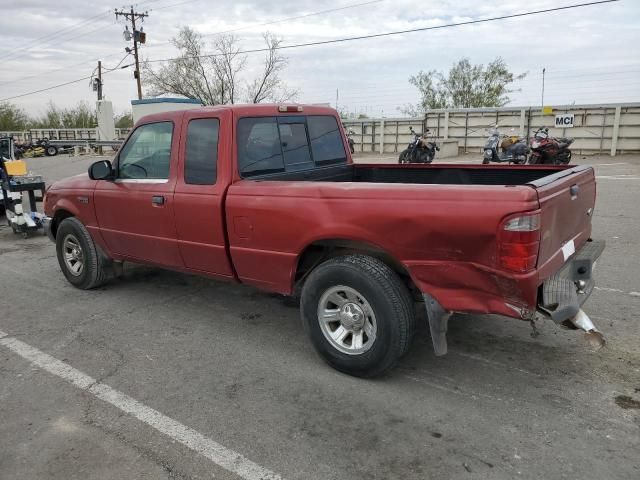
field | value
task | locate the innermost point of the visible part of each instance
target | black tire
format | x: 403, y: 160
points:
x: 93, y: 273
x: 389, y: 299
x: 51, y: 151
x: 485, y: 161
x: 404, y: 156
x: 430, y: 156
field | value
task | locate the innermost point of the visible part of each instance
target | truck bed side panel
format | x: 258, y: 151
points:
x: 444, y: 235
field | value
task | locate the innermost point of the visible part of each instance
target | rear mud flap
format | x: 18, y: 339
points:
x: 438, y: 324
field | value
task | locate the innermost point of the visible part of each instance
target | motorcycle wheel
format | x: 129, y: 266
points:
x: 353, y: 150
x: 534, y: 159
x: 485, y: 161
x: 404, y: 156
x: 430, y: 156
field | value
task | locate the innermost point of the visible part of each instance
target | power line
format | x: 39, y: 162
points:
x: 398, y: 32
x: 273, y: 22
x: 46, y: 89
x: 57, y: 35
x: 66, y: 67
x: 362, y: 37
x: 71, y: 82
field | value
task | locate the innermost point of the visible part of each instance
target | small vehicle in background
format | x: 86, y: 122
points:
x: 419, y: 150
x: 549, y: 150
x: 504, y: 148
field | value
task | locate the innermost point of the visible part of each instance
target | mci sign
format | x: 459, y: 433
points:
x: 564, y: 120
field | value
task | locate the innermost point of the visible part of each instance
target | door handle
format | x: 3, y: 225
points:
x: 157, y: 200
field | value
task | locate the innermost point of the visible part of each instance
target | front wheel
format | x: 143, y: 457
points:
x: 358, y: 314
x: 404, y: 156
x: 534, y: 159
x: 78, y: 256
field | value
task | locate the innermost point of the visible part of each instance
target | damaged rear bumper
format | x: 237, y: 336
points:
x: 563, y: 294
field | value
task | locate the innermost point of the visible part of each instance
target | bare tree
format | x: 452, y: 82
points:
x: 215, y: 78
x: 269, y: 86
x: 227, y: 62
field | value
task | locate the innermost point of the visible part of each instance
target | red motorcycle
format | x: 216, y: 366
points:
x: 549, y: 150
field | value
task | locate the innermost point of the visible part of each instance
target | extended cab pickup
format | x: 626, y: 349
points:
x: 268, y: 196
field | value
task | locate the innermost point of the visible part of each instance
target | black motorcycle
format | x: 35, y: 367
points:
x: 504, y: 148
x: 420, y: 150
x: 351, y: 141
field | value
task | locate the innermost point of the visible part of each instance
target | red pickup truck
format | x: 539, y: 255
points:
x: 268, y: 196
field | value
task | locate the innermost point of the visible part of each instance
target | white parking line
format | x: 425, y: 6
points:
x: 218, y: 454
x: 607, y: 164
x: 617, y: 290
x: 617, y: 177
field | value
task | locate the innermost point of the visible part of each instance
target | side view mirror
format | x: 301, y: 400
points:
x: 102, y: 170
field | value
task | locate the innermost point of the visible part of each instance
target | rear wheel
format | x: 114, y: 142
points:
x: 358, y: 314
x: 78, y: 256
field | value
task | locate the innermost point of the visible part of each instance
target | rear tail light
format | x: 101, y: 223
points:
x: 518, y: 242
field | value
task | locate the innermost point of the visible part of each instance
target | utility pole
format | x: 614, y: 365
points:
x: 138, y: 37
x: 543, y: 71
x: 99, y: 80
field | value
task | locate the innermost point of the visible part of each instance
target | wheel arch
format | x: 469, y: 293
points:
x: 323, y: 249
x: 60, y: 215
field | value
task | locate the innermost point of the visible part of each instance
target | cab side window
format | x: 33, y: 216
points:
x: 147, y: 153
x: 201, y: 155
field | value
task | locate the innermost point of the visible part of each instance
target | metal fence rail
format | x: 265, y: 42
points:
x: 598, y: 129
x: 60, y: 134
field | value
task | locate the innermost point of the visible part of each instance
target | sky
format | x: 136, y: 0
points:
x: 591, y: 54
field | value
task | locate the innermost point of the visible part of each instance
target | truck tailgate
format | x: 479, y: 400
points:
x: 567, y: 199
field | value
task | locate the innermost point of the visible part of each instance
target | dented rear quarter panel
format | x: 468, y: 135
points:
x: 445, y: 235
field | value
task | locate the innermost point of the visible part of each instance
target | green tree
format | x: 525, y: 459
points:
x: 12, y: 117
x: 464, y: 86
x: 81, y: 116
x: 124, y: 121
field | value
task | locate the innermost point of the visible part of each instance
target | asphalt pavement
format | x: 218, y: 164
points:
x: 165, y: 375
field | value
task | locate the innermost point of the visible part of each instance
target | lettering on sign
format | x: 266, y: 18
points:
x: 565, y: 120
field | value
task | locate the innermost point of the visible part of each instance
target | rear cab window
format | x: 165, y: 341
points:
x: 268, y: 145
x: 201, y: 153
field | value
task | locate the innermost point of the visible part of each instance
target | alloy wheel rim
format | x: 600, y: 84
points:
x: 347, y: 320
x: 73, y: 255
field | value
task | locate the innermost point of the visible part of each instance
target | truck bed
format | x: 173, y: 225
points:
x: 439, y: 174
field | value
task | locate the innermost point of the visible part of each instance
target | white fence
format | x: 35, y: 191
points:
x: 60, y: 134
x: 598, y: 129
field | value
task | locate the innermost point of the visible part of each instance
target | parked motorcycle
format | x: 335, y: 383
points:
x: 504, y: 148
x: 351, y: 141
x: 546, y: 149
x: 420, y: 149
